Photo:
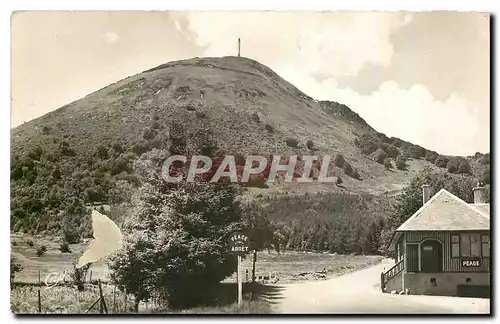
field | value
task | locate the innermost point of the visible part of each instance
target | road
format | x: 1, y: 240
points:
x: 359, y: 293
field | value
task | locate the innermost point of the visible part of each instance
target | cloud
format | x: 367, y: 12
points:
x: 336, y: 43
x: 447, y: 127
x: 110, y: 37
x: 318, y: 52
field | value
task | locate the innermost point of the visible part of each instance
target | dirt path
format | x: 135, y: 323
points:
x: 359, y: 292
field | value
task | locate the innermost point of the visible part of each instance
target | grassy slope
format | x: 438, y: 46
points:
x: 233, y: 89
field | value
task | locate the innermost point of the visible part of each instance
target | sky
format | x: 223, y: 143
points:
x: 423, y: 77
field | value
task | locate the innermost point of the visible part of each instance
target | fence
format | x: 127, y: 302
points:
x: 50, y: 299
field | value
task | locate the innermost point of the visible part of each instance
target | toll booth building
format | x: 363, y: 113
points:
x: 443, y: 249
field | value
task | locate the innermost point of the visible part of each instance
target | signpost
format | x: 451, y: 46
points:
x: 239, y: 246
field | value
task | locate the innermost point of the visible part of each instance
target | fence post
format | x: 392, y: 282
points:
x: 114, y: 298
x: 382, y: 284
x: 39, y: 301
x: 90, y: 279
x: 103, y: 306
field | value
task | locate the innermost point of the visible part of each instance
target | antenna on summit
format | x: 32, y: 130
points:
x: 239, y: 46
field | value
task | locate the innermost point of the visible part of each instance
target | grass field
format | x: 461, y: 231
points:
x: 288, y: 267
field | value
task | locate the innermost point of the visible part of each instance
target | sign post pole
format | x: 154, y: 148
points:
x: 240, y: 285
x: 239, y: 245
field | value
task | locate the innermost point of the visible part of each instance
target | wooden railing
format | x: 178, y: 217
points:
x: 391, y: 273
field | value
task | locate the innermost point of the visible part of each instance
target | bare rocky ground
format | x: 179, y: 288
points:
x: 359, y: 293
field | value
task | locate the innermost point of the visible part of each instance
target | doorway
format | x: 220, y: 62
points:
x: 431, y: 252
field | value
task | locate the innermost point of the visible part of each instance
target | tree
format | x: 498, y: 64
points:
x: 441, y: 161
x: 486, y: 175
x: 458, y: 165
x: 15, y: 267
x: 176, y: 244
x: 260, y: 232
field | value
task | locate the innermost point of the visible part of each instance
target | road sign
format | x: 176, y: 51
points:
x: 239, y: 244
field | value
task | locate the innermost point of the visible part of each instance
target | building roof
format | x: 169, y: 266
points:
x: 446, y: 212
x: 485, y: 208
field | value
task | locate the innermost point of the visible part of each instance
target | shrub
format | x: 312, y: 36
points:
x: 255, y: 118
x: 117, y: 147
x: 78, y: 276
x: 14, y: 268
x: 441, y: 161
x: 392, y: 151
x: 102, y: 152
x: 46, y: 130
x: 66, y: 149
x: 350, y: 171
x: 379, y: 156
x: 339, y: 161
x: 41, y: 250
x: 367, y: 143
x: 30, y: 243
x: 431, y: 156
x: 369, y: 148
x: 200, y: 114
x: 155, y: 124
x: 64, y: 247
x: 415, y: 151
x: 400, y: 162
x: 310, y: 144
x: 148, y: 134
x: 292, y: 142
x: 14, y: 243
x: 387, y: 163
x: 269, y: 128
x: 141, y: 148
x: 383, y: 137
x: 190, y: 108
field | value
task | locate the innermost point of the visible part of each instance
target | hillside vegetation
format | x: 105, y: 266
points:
x: 84, y: 152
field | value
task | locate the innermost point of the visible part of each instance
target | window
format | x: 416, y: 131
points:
x: 465, y: 245
x: 455, y: 246
x: 485, y: 245
x: 475, y: 245
x: 469, y: 245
